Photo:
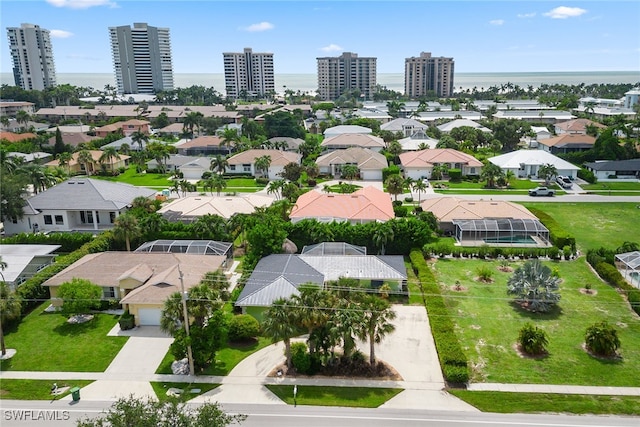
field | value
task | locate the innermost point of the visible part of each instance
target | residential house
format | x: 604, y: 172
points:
x: 342, y: 129
x: 631, y: 98
x: 190, y: 208
x: 372, y: 113
x: 457, y: 123
x: 615, y: 169
x: 527, y: 163
x: 542, y: 116
x: 347, y: 140
x: 172, y: 163
x: 406, y: 127
x: 576, y: 126
x: 281, y: 276
x: 367, y: 204
x: 36, y: 157
x: 127, y: 127
x: 285, y: 143
x: 541, y: 132
x: 78, y: 204
x: 174, y: 129
x: 567, y: 143
x: 491, y: 222
x: 369, y: 162
x: 419, y: 164
x: 141, y: 281
x: 17, y: 137
x: 11, y: 108
x: 128, y: 141
x: 73, y: 139
x: 434, y: 116
x: 244, y: 162
x: 208, y: 145
x: 418, y: 141
x: 24, y: 261
x: 74, y: 167
x: 194, y: 169
x: 196, y: 247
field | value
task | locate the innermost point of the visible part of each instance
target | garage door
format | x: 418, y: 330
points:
x: 149, y: 316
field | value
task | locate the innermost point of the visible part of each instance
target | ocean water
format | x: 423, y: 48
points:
x: 393, y: 81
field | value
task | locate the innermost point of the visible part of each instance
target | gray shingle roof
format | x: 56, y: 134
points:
x: 615, y: 165
x: 88, y: 194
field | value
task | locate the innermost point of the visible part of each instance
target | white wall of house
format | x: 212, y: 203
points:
x: 192, y: 172
x: 371, y: 175
x: 417, y: 173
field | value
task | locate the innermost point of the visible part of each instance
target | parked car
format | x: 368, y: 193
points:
x: 541, y: 191
x: 564, y: 181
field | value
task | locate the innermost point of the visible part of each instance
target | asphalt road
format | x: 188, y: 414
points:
x: 60, y: 413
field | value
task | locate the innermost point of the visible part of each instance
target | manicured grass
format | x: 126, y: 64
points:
x: 160, y: 389
x: 595, y: 224
x: 612, y: 185
x: 615, y: 193
x: 37, y: 389
x: 415, y: 290
x: 479, y: 191
x: 505, y: 403
x: 487, y: 324
x: 130, y: 176
x: 514, y: 184
x: 46, y: 342
x: 355, y: 397
x: 226, y: 359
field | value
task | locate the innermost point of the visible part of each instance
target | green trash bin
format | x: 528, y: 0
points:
x: 75, y: 393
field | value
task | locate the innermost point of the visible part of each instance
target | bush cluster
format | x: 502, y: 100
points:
x: 68, y: 242
x: 587, y: 175
x: 599, y: 260
x: 444, y: 248
x: 452, y: 358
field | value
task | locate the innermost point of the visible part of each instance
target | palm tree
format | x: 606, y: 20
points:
x: 64, y: 159
x: 192, y: 121
x: 275, y: 187
x: 310, y: 312
x: 160, y: 152
x: 10, y: 307
x: 218, y: 163
x: 349, y: 172
x: 107, y: 156
x: 382, y: 235
x: 22, y: 117
x: 140, y: 138
x: 395, y: 185
x: 547, y: 171
x: 419, y: 187
x: 262, y: 165
x: 39, y: 177
x: 376, y: 322
x: 86, y: 159
x: 279, y: 324
x: 125, y: 228
x: 218, y: 183
x: 491, y: 172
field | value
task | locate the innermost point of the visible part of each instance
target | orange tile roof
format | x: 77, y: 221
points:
x: 15, y: 137
x: 568, y: 139
x: 278, y: 158
x: 446, y: 209
x: 430, y: 157
x: 202, y: 141
x: 366, y: 204
x: 578, y: 125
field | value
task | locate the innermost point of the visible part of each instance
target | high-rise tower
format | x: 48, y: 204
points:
x: 141, y: 58
x: 346, y: 72
x: 426, y: 74
x: 32, y: 57
x: 248, y: 73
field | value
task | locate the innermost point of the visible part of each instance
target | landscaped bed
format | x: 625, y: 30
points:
x: 161, y: 388
x: 487, y: 323
x: 46, y: 342
x: 356, y: 397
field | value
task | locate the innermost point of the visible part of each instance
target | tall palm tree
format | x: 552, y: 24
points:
x: 546, y: 172
x: 349, y: 172
x: 22, y: 117
x: 140, y: 138
x: 383, y: 235
x: 275, y: 187
x: 376, y: 322
x: 218, y: 183
x: 10, y: 308
x: 125, y: 228
x: 395, y: 185
x: 107, y: 156
x: 278, y: 324
x: 230, y: 138
x: 262, y: 165
x: 218, y: 163
x: 419, y: 187
x: 64, y: 159
x: 192, y: 121
x: 491, y: 172
x: 39, y: 177
x: 86, y: 159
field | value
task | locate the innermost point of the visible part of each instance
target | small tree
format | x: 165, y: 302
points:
x: 602, y: 339
x: 533, y: 340
x: 243, y: 327
x: 79, y: 296
x: 395, y: 185
x: 533, y: 284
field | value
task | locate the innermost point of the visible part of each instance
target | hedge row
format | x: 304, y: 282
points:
x: 558, y: 236
x: 610, y: 274
x: 68, y: 242
x: 454, y: 362
x: 33, y: 293
x: 445, y: 248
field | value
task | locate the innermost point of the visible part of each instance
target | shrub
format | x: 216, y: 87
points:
x: 391, y: 170
x: 312, y: 182
x: 408, y: 199
x: 557, y: 235
x: 567, y: 252
x: 79, y: 296
x: 587, y: 175
x: 455, y: 175
x: 300, y: 358
x: 400, y: 211
x: 243, y: 327
x: 262, y: 181
x: 396, y: 203
x: 127, y: 321
x: 484, y: 273
x: 532, y: 339
x: 553, y: 252
x: 602, y: 339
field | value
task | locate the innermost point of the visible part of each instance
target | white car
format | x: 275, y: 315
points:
x: 564, y: 181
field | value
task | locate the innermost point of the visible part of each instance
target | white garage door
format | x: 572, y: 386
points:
x: 149, y: 316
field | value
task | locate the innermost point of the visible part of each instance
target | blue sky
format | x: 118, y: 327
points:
x: 481, y: 36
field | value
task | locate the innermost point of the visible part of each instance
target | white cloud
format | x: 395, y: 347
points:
x: 497, y: 22
x: 60, y: 34
x: 81, y: 4
x: 261, y: 26
x: 564, y: 12
x: 526, y: 15
x: 332, y: 48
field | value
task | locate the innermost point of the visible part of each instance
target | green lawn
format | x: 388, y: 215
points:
x: 488, y: 401
x: 226, y: 359
x: 130, y: 176
x: 515, y: 184
x: 160, y: 389
x: 355, y: 397
x: 595, y: 224
x: 613, y: 185
x: 479, y: 191
x: 36, y: 389
x: 488, y: 324
x: 46, y: 342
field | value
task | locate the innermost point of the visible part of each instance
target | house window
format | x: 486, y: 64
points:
x: 59, y: 219
x: 108, y: 292
x: 232, y: 167
x: 472, y: 171
x: 246, y: 168
x: 86, y: 217
x: 112, y: 217
x: 48, y: 220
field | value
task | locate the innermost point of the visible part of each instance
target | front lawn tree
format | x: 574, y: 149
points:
x: 278, y: 324
x: 395, y: 185
x: 547, y: 172
x: 350, y: 172
x: 534, y: 286
x: 10, y: 308
x: 79, y: 296
x: 126, y: 228
x: 491, y: 173
x: 377, y: 315
x: 602, y: 339
x: 533, y: 340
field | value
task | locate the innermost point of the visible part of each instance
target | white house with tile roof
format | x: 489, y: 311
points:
x: 370, y: 163
x: 526, y: 163
x: 419, y: 164
x: 79, y: 204
x: 244, y: 162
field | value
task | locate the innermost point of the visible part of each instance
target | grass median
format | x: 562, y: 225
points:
x: 355, y: 397
x: 37, y: 389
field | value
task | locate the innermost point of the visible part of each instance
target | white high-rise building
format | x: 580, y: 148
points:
x: 248, y: 74
x: 346, y: 72
x: 141, y: 58
x: 426, y: 74
x: 32, y: 57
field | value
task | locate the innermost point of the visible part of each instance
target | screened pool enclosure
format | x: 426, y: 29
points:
x: 501, y: 232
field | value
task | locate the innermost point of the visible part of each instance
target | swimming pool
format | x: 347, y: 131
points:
x: 523, y: 239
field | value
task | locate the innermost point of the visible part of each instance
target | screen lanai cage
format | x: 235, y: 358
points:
x: 501, y: 231
x: 196, y: 247
x: 629, y: 266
